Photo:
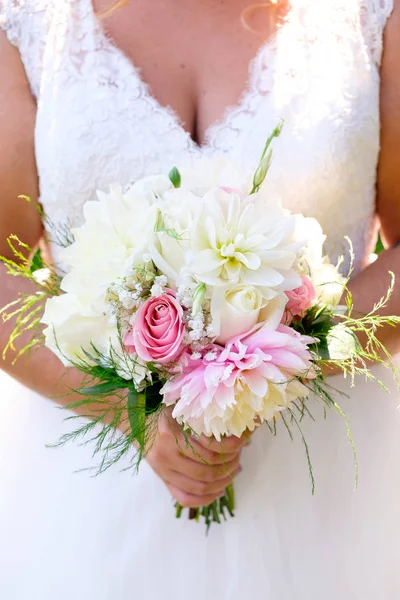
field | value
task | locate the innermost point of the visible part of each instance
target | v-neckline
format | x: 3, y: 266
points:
x: 241, y: 106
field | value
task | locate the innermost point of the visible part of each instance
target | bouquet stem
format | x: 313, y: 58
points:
x: 212, y: 512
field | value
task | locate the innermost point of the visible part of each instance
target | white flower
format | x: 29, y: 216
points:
x: 161, y: 280
x: 329, y: 283
x: 131, y: 369
x: 311, y: 254
x: 151, y: 189
x: 185, y: 295
x: 342, y: 343
x: 243, y: 240
x: 41, y: 276
x: 169, y: 243
x: 210, y: 331
x: 70, y: 331
x: 240, y: 310
x: 156, y: 290
x: 127, y: 299
x: 230, y: 320
x: 116, y: 229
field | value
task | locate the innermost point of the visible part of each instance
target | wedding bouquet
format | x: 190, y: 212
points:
x: 194, y: 291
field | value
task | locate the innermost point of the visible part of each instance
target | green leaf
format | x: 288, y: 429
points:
x: 379, y: 245
x: 36, y: 262
x: 137, y: 416
x: 175, y: 177
x: 103, y: 388
x: 322, y: 351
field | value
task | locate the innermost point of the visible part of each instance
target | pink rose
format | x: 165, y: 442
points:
x: 158, y: 330
x: 300, y: 299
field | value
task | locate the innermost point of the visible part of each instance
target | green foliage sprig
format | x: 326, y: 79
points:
x: 121, y: 420
x: 27, y: 310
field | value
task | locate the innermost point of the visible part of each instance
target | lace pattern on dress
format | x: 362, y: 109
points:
x: 374, y: 15
x: 97, y: 121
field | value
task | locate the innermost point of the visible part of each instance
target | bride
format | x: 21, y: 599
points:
x: 91, y: 94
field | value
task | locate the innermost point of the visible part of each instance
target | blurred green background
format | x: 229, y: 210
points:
x: 379, y: 245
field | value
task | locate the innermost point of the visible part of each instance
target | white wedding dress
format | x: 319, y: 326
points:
x: 67, y: 536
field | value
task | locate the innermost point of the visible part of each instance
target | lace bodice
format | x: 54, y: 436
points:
x: 98, y: 123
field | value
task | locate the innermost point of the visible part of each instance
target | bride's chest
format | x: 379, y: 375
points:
x: 194, y: 56
x: 98, y: 122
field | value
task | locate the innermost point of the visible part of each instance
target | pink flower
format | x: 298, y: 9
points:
x: 300, y: 299
x: 227, y: 390
x: 158, y: 330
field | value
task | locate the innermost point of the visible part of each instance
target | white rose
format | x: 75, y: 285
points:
x: 329, y: 283
x: 271, y: 314
x: 240, y: 310
x: 69, y: 330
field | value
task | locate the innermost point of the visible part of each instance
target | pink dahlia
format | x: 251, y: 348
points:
x: 225, y: 391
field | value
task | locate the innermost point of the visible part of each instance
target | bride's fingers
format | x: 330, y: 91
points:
x: 189, y: 500
x: 199, y: 488
x: 206, y: 473
x: 192, y: 449
x: 227, y: 445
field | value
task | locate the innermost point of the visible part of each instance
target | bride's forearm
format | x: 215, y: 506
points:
x: 372, y: 284
x: 40, y: 369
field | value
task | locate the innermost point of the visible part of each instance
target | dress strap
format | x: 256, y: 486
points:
x: 383, y: 9
x: 10, y: 19
x: 375, y: 14
x: 26, y: 24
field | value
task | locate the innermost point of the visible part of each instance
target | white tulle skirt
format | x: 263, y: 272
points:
x: 69, y: 536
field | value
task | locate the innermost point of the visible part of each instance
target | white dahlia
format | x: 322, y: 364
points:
x: 248, y: 240
x: 115, y: 231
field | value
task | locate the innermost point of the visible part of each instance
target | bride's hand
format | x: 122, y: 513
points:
x: 195, y: 474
